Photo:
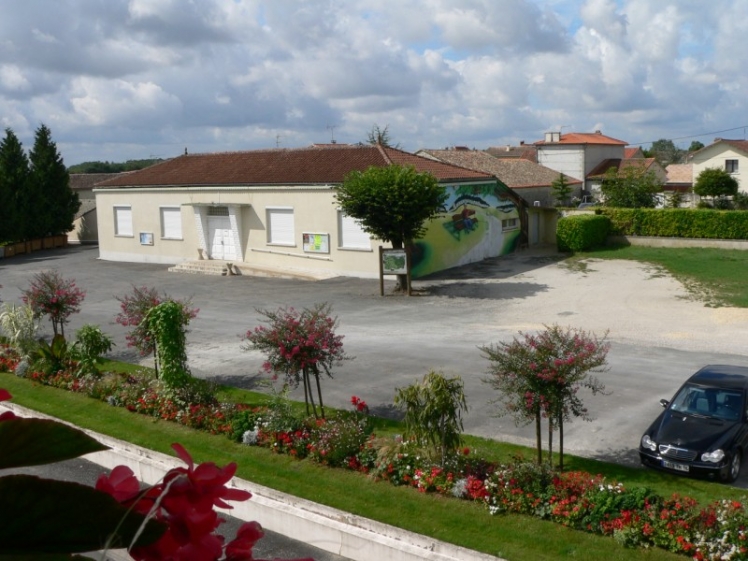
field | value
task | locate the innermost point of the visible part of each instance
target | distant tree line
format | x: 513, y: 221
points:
x: 35, y: 195
x: 112, y: 167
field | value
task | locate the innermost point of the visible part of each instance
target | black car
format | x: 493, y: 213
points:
x: 703, y: 430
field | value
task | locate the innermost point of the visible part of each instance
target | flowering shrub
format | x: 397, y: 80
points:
x: 51, y: 295
x: 299, y: 345
x: 135, y: 306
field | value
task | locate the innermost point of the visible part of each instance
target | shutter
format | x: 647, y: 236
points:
x: 281, y: 227
x: 352, y: 235
x: 171, y: 223
x: 123, y: 221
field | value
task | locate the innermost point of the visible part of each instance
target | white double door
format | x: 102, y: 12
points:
x: 221, y: 238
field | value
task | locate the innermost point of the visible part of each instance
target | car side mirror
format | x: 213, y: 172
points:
x: 664, y: 403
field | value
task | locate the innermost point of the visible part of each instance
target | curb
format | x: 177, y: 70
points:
x: 329, y: 529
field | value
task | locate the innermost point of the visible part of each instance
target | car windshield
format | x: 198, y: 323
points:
x: 719, y: 403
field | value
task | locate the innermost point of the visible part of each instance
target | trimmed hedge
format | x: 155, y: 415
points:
x: 582, y: 232
x: 678, y: 223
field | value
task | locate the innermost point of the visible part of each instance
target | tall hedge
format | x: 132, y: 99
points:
x: 678, y: 223
x: 582, y: 232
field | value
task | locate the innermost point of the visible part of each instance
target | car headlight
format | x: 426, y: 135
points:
x: 714, y: 457
x: 648, y: 443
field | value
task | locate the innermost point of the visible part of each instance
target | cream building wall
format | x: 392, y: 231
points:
x: 314, y: 211
x: 716, y: 156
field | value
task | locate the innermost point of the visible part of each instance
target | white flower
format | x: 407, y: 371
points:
x: 250, y: 437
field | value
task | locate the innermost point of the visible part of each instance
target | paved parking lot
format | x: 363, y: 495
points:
x: 659, y: 336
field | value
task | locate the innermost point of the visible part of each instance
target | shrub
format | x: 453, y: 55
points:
x: 679, y: 223
x: 582, y: 232
x: 51, y: 295
x: 18, y: 325
x: 89, y: 346
x: 433, y: 412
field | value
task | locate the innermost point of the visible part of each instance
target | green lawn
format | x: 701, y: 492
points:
x: 459, y: 522
x: 716, y: 276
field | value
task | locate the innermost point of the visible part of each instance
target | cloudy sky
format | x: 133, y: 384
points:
x: 130, y: 79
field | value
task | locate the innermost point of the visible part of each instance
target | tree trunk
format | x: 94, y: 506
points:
x: 307, y: 389
x: 560, y: 442
x: 550, y: 441
x: 538, y: 437
x: 319, y: 393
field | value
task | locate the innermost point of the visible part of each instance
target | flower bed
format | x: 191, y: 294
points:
x: 635, y: 517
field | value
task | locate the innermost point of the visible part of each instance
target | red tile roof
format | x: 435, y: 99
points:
x: 619, y: 164
x: 319, y: 164
x: 516, y: 173
x: 584, y: 138
x: 739, y: 144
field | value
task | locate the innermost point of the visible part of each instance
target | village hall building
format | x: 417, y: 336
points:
x: 274, y: 210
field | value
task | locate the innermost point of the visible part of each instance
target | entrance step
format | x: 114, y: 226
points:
x: 203, y: 267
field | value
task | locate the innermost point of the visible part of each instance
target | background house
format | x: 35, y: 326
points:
x: 576, y: 154
x: 275, y: 210
x: 85, y: 227
x: 596, y: 176
x: 729, y: 155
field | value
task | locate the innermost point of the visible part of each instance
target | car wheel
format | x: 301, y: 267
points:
x: 733, y: 469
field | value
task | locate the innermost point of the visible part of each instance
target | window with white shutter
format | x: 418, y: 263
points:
x: 123, y: 221
x: 351, y: 234
x: 280, y: 226
x: 171, y: 223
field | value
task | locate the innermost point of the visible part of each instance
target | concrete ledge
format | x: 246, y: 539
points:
x: 652, y: 241
x: 329, y: 529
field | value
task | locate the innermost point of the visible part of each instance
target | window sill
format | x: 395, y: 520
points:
x: 359, y: 249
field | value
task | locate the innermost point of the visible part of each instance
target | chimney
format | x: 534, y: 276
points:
x: 521, y: 142
x: 598, y: 132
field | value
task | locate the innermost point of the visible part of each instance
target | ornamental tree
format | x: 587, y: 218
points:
x: 433, y: 412
x: 300, y: 345
x: 51, y: 295
x: 630, y: 187
x: 541, y: 375
x: 715, y: 183
x: 133, y: 309
x: 165, y: 324
x: 393, y: 203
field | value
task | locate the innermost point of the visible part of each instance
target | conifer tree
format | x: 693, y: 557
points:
x: 49, y: 184
x: 14, y: 172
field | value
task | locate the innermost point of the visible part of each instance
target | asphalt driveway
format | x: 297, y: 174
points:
x: 659, y: 335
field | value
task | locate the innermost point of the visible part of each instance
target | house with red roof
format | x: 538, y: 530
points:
x: 274, y: 211
x: 576, y: 154
x: 729, y: 155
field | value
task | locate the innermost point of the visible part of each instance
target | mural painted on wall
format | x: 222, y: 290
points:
x: 477, y: 221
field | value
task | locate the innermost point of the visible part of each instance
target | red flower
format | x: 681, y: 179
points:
x: 120, y: 484
x: 4, y: 396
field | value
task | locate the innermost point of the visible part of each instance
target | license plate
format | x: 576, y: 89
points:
x: 675, y: 466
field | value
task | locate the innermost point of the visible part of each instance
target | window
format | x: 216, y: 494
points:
x: 731, y: 166
x: 280, y: 226
x: 171, y: 223
x: 510, y: 224
x: 123, y: 221
x: 350, y: 233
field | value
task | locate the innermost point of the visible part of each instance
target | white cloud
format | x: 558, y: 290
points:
x: 237, y: 74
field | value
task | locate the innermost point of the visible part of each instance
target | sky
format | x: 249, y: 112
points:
x: 118, y: 80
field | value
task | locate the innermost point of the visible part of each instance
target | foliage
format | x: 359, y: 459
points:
x: 54, y: 203
x: 14, y: 172
x: 561, y: 189
x: 393, y: 203
x: 715, y: 183
x: 380, y: 137
x: 52, y: 357
x: 165, y: 322
x: 299, y: 345
x: 630, y: 187
x: 174, y: 519
x: 582, y: 232
x: 678, y: 223
x: 433, y: 412
x: 51, y: 295
x: 18, y: 324
x: 90, y: 345
x: 665, y: 152
x: 113, y: 167
x: 88, y: 520
x: 695, y: 146
x: 133, y: 309
x: 540, y: 376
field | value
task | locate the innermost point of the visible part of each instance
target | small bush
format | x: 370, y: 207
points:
x: 90, y: 345
x: 582, y: 232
